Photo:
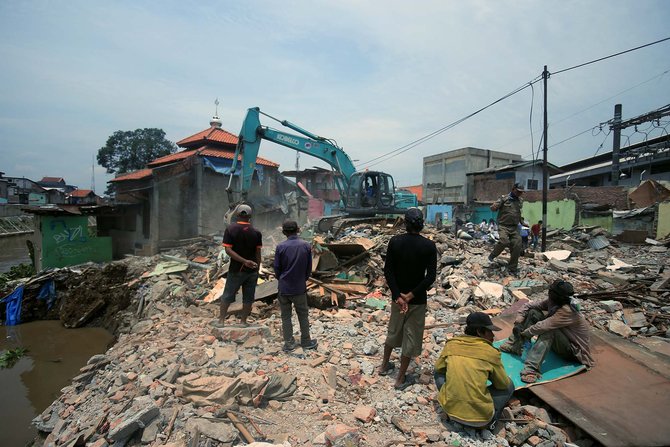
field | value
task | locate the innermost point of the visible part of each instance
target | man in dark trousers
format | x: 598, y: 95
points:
x: 293, y: 265
x: 242, y: 243
x: 410, y: 269
x: 509, y: 218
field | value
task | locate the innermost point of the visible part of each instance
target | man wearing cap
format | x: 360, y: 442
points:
x: 509, y: 218
x: 559, y: 326
x: 410, y: 269
x: 293, y: 265
x: 465, y: 365
x: 242, y: 243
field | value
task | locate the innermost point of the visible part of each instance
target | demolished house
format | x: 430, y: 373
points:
x: 173, y: 379
x: 183, y: 195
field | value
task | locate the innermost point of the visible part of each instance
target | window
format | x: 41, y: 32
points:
x: 532, y: 184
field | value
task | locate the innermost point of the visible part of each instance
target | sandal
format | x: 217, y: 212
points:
x: 530, y: 376
x: 409, y: 381
x: 390, y: 366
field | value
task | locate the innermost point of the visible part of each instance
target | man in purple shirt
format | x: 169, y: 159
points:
x: 293, y: 265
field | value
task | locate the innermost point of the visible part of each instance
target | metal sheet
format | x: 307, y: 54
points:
x: 623, y: 401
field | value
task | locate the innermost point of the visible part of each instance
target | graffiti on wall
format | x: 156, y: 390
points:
x: 67, y: 242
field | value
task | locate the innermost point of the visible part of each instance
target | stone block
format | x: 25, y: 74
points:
x: 240, y: 334
x: 142, y: 411
x: 340, y: 435
x: 486, y: 288
x: 559, y: 255
x: 611, y: 306
x: 365, y: 413
x: 621, y: 328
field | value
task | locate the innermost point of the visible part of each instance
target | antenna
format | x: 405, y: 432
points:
x: 93, y: 172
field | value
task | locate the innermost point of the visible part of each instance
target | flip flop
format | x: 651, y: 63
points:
x: 409, y: 381
x: 530, y: 376
x: 390, y: 366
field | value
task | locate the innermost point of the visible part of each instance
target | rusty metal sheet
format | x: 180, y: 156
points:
x: 623, y: 401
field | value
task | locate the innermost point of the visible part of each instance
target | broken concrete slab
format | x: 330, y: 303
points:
x: 240, y: 334
x: 559, y: 255
x: 139, y: 415
x: 620, y: 328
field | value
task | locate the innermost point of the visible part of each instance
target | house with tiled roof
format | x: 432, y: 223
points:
x: 183, y: 195
x: 83, y: 197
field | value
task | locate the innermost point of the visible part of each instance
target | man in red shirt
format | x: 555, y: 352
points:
x: 535, y: 234
x: 242, y: 243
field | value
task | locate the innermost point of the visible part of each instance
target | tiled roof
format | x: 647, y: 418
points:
x: 207, y: 151
x: 212, y: 134
x: 137, y: 175
x: 81, y: 193
x: 52, y: 179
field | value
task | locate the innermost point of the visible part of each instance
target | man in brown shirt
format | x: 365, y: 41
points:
x: 563, y: 329
x: 509, y: 218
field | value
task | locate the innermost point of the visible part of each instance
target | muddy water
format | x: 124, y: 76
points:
x: 55, y: 356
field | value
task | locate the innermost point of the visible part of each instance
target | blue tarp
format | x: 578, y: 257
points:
x: 223, y: 165
x: 48, y: 293
x: 554, y: 367
x: 13, y: 301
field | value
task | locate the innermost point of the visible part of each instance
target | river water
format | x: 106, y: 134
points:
x: 54, y: 357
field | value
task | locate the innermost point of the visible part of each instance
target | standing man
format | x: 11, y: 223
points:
x: 465, y: 365
x: 509, y: 218
x: 293, y: 265
x: 410, y: 269
x: 243, y: 244
x: 535, y: 233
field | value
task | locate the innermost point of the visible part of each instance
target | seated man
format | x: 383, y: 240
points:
x: 461, y: 372
x: 563, y: 329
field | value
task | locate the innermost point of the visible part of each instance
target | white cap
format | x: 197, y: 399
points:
x: 243, y: 210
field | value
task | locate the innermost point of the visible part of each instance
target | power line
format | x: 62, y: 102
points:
x: 608, y: 57
x: 394, y: 153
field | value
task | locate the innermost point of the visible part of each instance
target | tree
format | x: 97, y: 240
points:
x: 128, y: 151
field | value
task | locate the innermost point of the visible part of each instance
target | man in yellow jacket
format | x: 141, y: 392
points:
x: 461, y: 372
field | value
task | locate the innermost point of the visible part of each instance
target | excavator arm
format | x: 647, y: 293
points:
x: 253, y: 132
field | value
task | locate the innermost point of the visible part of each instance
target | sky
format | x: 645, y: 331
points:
x: 372, y: 75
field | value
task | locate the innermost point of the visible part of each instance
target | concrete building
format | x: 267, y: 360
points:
x: 444, y: 175
x: 491, y: 183
x: 183, y: 195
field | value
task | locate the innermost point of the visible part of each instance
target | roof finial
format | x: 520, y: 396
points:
x: 216, y: 122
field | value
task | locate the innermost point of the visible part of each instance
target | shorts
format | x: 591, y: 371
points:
x: 235, y: 280
x: 405, y: 331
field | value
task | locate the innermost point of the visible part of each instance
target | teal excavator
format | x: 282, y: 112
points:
x: 363, y: 194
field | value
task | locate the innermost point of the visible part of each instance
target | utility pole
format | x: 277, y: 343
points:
x: 616, y: 144
x: 545, y: 168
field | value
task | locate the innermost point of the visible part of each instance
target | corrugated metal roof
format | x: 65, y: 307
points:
x: 137, y: 175
x: 215, y: 134
x: 598, y: 242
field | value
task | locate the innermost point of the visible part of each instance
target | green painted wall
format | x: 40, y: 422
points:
x: 65, y: 241
x: 663, y: 224
x: 605, y: 222
x: 560, y: 213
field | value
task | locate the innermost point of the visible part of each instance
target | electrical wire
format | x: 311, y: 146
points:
x: 608, y: 57
x: 394, y: 153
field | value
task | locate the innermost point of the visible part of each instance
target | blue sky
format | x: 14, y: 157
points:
x: 372, y: 75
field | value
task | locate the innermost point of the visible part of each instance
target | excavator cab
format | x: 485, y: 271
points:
x: 370, y: 193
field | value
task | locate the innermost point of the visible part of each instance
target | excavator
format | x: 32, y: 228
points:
x: 364, y: 194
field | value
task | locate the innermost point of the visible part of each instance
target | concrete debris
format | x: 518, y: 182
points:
x: 173, y: 379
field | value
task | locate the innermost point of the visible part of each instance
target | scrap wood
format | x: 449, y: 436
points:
x: 240, y: 427
x: 168, y: 430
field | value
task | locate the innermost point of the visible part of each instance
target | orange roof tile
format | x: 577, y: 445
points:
x: 214, y: 134
x: 81, y: 193
x: 207, y: 151
x: 136, y: 175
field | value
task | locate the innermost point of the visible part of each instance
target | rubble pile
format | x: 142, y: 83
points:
x: 173, y: 379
